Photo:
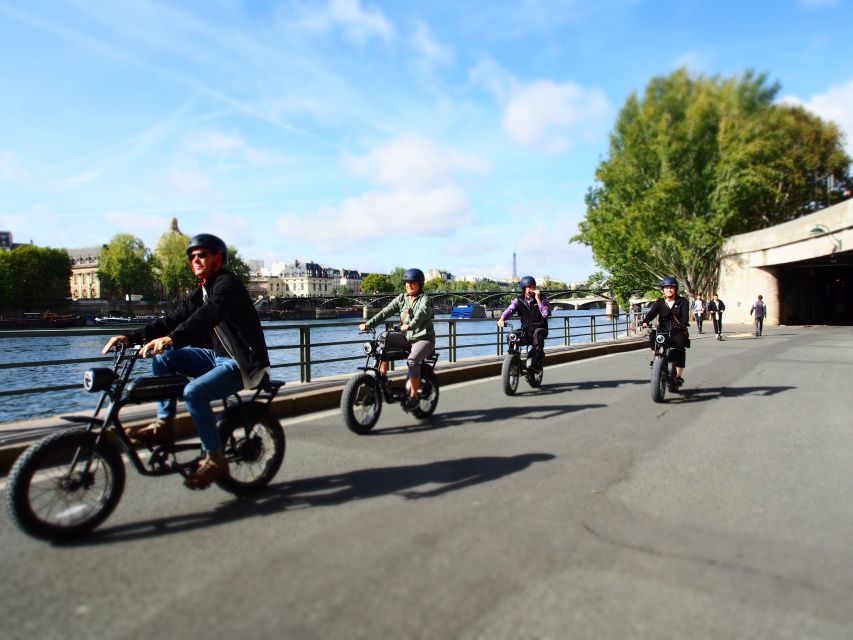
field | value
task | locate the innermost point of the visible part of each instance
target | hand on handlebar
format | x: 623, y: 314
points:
x: 501, y: 322
x: 157, y: 345
x: 113, y: 342
x: 362, y: 327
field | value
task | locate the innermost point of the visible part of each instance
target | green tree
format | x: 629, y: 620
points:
x: 396, y: 278
x: 696, y: 160
x: 435, y: 285
x: 126, y: 268
x: 34, y: 277
x: 172, y: 268
x: 377, y: 283
x: 238, y: 266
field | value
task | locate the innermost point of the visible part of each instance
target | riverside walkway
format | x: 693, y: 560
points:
x: 580, y: 510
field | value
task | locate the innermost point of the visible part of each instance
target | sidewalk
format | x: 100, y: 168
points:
x: 301, y: 398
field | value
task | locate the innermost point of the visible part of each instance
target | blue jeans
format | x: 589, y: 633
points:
x: 214, y: 378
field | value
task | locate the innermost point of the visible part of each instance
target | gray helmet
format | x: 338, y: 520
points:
x: 212, y: 243
x: 669, y: 281
x: 414, y: 275
x: 527, y: 281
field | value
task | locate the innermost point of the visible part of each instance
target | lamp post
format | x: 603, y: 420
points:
x: 820, y: 229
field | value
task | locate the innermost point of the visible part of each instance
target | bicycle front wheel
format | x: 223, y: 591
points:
x: 65, y: 485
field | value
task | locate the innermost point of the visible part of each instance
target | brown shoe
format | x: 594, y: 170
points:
x: 161, y: 431
x: 213, y: 467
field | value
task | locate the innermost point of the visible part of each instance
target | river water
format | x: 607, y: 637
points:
x: 330, y: 339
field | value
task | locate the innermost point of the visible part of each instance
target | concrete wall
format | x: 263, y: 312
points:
x: 751, y: 262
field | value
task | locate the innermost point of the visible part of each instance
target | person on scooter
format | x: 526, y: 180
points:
x: 673, y: 314
x: 533, y: 309
x: 213, y: 336
x: 415, y: 312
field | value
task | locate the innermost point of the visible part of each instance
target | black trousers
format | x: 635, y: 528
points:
x: 718, y: 322
x: 537, y: 336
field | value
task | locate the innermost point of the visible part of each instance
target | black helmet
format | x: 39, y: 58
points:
x: 527, y: 281
x: 211, y: 243
x: 414, y: 275
x: 669, y: 281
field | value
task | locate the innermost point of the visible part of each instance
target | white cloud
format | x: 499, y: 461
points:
x: 139, y: 224
x: 833, y: 105
x: 224, y: 145
x: 493, y: 78
x: 234, y: 230
x: 428, y: 48
x: 10, y: 167
x: 82, y: 178
x: 552, y: 116
x: 818, y: 4
x: 186, y: 177
x: 358, y: 23
x: 417, y: 194
x: 414, y: 162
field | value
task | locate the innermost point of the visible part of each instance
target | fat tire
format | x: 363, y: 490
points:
x: 52, y: 454
x: 254, y: 458
x: 510, y: 373
x: 658, y: 379
x: 426, y: 406
x: 534, y: 378
x: 361, y: 392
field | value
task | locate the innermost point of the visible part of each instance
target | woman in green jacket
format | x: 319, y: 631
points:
x: 416, y: 320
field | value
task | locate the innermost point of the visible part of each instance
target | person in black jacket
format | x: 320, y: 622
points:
x: 716, y: 308
x: 214, y: 336
x: 673, y: 314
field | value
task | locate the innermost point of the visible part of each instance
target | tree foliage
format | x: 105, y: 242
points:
x: 238, y: 266
x: 126, y: 267
x: 377, y: 283
x: 34, y: 277
x: 695, y: 160
x: 172, y: 267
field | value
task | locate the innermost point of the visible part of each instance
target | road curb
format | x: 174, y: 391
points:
x: 326, y: 394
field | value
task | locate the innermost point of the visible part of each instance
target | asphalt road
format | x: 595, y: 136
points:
x: 582, y: 510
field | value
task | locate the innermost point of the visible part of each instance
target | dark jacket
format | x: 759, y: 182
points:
x: 713, y: 306
x: 659, y: 309
x: 531, y: 313
x: 229, y: 310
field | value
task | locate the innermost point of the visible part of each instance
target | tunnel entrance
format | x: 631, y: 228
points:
x: 817, y: 291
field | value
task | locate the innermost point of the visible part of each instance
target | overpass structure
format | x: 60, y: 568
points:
x: 802, y: 268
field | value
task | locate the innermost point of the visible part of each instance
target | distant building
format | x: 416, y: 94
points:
x: 439, y: 274
x: 352, y: 280
x: 84, y: 273
x: 6, y: 242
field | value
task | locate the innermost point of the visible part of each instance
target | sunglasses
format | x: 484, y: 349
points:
x: 201, y: 255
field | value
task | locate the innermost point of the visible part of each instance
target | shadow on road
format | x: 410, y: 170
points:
x: 494, y: 414
x: 410, y: 482
x: 714, y: 393
x: 586, y: 385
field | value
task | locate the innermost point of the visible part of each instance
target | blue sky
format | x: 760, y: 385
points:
x: 364, y: 134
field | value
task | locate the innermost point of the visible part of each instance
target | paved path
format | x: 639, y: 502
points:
x: 582, y: 510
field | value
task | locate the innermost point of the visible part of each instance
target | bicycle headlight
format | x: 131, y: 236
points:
x: 660, y: 338
x: 97, y: 379
x: 369, y: 347
x: 512, y: 337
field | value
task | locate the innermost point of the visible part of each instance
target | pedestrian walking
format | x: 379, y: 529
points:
x: 698, y: 307
x: 716, y: 308
x: 758, y: 313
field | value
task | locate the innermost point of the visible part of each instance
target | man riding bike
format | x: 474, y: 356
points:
x: 416, y: 320
x: 213, y: 336
x: 533, y: 309
x: 673, y: 314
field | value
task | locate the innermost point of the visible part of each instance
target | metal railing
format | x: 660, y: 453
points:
x: 453, y: 341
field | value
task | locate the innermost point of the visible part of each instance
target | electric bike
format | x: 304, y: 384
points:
x: 361, y: 400
x: 518, y: 361
x: 67, y: 483
x: 663, y: 363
